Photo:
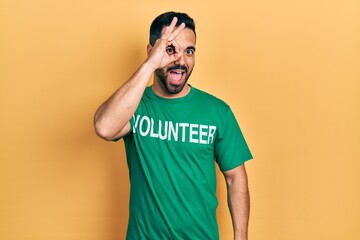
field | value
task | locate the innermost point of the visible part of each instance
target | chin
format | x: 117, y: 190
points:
x: 174, y: 89
x: 168, y: 87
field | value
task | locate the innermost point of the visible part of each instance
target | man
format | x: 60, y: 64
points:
x: 172, y: 133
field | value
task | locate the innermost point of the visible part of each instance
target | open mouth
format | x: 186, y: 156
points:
x: 177, y: 74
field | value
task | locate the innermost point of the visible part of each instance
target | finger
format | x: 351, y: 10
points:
x: 172, y: 26
x: 178, y: 55
x: 175, y: 56
x: 176, y: 32
x: 169, y: 29
x: 165, y: 35
x: 175, y: 44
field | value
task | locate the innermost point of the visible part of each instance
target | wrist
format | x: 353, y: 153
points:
x: 149, y: 66
x: 147, y: 69
x: 240, y: 236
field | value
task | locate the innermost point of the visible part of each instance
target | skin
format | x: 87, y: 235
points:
x: 173, y: 50
x: 238, y: 200
x: 184, y: 48
x: 112, y: 118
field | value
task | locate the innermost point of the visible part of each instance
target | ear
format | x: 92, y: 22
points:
x: 148, y: 49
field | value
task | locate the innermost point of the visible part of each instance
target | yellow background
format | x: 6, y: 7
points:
x: 289, y: 69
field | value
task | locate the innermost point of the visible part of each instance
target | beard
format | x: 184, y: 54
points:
x: 163, y: 76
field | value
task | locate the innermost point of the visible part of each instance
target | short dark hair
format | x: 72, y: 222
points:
x: 165, y: 20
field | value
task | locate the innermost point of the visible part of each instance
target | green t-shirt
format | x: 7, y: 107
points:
x: 170, y: 154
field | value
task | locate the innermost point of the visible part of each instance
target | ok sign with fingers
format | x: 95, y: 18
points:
x: 165, y: 49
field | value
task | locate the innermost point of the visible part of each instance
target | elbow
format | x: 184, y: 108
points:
x: 102, y: 128
x: 103, y: 132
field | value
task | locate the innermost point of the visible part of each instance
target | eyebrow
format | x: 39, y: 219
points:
x: 191, y: 48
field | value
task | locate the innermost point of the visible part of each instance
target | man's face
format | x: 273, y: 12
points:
x: 174, y: 76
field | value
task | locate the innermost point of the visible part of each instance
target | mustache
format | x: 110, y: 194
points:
x: 177, y: 67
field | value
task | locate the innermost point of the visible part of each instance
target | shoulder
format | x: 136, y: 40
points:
x: 210, y: 99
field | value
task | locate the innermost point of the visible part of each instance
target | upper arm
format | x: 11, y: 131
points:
x: 236, y: 174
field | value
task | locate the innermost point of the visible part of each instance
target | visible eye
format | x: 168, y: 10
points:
x: 170, y: 50
x: 190, y: 51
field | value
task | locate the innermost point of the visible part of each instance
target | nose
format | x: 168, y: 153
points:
x: 181, y: 60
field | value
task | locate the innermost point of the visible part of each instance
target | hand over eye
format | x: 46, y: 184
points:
x: 170, y: 49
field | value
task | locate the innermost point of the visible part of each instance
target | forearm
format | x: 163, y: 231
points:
x: 113, y: 115
x: 112, y: 118
x: 239, y: 206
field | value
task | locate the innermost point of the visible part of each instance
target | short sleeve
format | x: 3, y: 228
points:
x: 231, y: 149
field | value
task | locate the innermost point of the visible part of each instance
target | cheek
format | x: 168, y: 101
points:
x: 191, y: 62
x: 160, y: 72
